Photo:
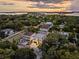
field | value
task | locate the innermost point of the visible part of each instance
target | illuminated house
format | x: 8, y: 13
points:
x: 37, y: 39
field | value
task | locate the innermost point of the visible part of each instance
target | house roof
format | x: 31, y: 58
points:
x: 24, y: 39
x: 7, y: 30
x: 29, y: 33
x: 39, y: 35
x: 46, y: 26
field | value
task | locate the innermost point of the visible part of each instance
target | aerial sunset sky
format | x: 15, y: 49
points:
x: 37, y: 5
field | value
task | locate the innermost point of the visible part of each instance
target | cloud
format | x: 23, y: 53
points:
x: 47, y: 1
x: 24, y: 5
x: 53, y: 1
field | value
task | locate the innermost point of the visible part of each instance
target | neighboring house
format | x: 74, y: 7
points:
x: 46, y: 26
x: 6, y: 32
x: 24, y: 41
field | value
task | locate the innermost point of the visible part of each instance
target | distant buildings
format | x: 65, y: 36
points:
x: 46, y: 26
x: 6, y: 32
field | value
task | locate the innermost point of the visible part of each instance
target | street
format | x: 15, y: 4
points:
x: 38, y: 53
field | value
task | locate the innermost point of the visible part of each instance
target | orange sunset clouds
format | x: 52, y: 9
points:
x: 29, y: 6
